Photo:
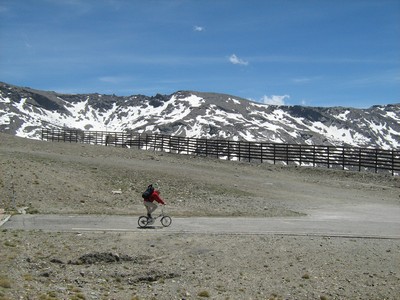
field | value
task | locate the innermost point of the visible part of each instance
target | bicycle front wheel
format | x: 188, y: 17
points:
x: 143, y: 221
x: 166, y: 221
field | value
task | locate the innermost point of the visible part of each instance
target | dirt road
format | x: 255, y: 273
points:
x: 377, y: 221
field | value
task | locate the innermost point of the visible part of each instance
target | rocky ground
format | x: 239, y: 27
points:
x: 68, y: 178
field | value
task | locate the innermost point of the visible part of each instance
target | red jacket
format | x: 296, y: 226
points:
x: 155, y: 196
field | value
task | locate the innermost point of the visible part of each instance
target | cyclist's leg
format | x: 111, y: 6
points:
x: 148, y: 211
x: 147, y: 204
x: 150, y: 206
x: 153, y: 207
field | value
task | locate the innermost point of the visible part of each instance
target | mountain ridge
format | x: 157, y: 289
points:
x: 25, y: 111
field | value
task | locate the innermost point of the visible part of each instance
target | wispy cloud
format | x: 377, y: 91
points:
x: 304, y: 102
x: 305, y: 80
x: 390, y: 77
x: 274, y: 99
x: 116, y: 79
x: 75, y: 7
x: 302, y: 80
x: 198, y: 28
x: 320, y: 60
x: 3, y: 9
x: 237, y: 61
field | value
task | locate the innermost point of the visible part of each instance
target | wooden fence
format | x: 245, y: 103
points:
x: 346, y: 158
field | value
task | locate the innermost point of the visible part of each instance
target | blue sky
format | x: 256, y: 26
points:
x: 293, y: 52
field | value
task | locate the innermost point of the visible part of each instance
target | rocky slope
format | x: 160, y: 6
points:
x: 25, y: 111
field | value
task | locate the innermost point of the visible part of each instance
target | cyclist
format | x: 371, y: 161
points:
x: 153, y: 195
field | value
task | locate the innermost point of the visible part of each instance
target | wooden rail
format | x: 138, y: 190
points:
x: 346, y: 158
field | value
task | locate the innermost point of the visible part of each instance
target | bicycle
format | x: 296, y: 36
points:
x: 165, y: 220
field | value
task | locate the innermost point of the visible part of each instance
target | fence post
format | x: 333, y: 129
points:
x: 240, y: 146
x: 392, y: 162
x: 249, y: 149
x: 343, y: 157
x: 376, y: 160
x: 328, y: 157
x: 314, y: 149
x: 287, y: 154
x: 301, y: 154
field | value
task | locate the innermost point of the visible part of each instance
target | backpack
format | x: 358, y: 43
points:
x: 147, y: 193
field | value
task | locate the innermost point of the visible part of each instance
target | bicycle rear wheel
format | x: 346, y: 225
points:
x: 166, y: 221
x: 143, y: 221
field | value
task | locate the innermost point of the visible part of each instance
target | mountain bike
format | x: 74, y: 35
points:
x: 145, y: 221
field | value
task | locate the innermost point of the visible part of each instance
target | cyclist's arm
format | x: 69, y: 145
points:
x: 158, y: 199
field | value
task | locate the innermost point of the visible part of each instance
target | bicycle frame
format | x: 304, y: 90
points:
x: 161, y: 214
x: 166, y: 220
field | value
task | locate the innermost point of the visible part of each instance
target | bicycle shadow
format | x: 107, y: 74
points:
x: 153, y: 227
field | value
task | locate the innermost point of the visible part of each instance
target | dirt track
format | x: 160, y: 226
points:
x: 74, y: 178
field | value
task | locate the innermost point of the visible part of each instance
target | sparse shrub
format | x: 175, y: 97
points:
x: 32, y: 211
x: 9, y: 244
x: 204, y: 294
x: 52, y: 294
x: 28, y: 277
x: 275, y: 297
x: 49, y: 296
x: 5, y: 282
x: 306, y: 276
x: 78, y: 297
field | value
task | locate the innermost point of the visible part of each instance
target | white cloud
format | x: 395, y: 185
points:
x: 116, y: 79
x: 274, y: 99
x: 198, y: 28
x: 3, y: 9
x: 237, y: 61
x: 302, y: 80
x: 306, y: 80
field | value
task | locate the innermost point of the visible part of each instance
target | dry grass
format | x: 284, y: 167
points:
x: 5, y: 282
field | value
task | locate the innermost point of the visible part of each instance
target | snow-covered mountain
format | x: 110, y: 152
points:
x: 25, y: 111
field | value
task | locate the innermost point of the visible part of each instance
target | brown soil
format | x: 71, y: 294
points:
x: 64, y: 178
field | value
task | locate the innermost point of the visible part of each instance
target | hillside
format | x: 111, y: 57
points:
x: 25, y: 111
x: 78, y: 178
x: 64, y: 178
